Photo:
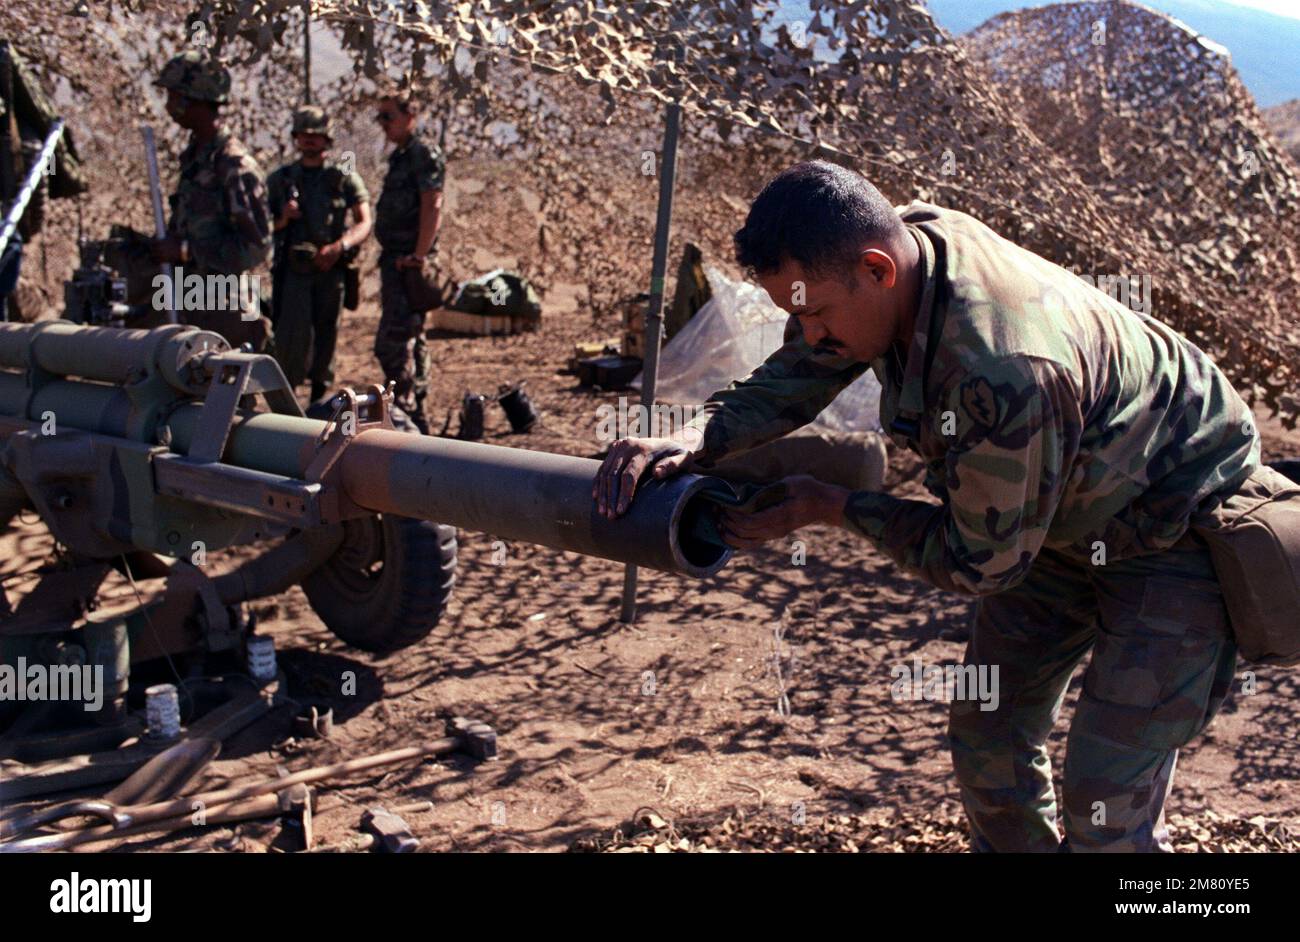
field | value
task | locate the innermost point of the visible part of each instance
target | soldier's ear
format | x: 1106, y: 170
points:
x: 879, y: 266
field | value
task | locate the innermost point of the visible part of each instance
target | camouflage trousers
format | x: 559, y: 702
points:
x: 399, y: 342
x: 1162, y: 663
x: 307, y: 309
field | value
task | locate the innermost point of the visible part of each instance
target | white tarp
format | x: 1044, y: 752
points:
x: 728, y: 338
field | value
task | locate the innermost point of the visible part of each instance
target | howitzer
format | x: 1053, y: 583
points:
x: 142, y: 452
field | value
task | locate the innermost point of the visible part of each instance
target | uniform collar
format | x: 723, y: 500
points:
x: 195, y: 151
x: 911, y: 403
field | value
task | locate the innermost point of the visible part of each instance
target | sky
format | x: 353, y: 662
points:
x: 1290, y: 8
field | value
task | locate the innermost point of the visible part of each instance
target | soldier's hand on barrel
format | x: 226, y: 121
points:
x: 291, y: 211
x: 166, y: 250
x: 327, y: 255
x: 807, y: 501
x: 628, y: 459
x: 409, y: 261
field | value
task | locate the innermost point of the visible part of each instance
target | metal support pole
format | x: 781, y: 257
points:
x: 30, y: 183
x: 42, y: 167
x: 159, y: 222
x: 306, y: 52
x: 654, y: 318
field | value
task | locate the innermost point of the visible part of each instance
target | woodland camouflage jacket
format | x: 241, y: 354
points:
x: 1050, y: 414
x: 413, y: 169
x: 220, y: 207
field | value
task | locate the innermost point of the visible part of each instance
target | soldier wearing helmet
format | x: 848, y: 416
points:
x: 315, y: 248
x: 220, y: 223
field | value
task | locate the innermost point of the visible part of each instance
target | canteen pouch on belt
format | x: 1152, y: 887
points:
x: 1254, y: 540
x: 422, y: 291
x: 302, y: 258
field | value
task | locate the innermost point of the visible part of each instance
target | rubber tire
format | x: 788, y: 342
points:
x: 400, y: 604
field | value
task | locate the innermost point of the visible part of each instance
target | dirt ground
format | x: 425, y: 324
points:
x: 683, y: 711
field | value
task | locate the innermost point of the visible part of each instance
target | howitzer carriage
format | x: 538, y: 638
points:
x: 143, y: 451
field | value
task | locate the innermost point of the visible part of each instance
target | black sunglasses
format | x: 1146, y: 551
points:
x: 385, y: 116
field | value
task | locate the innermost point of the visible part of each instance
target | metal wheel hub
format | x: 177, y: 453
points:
x: 362, y: 552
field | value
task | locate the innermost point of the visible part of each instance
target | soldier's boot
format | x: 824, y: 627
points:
x: 1163, y: 663
x: 1032, y: 635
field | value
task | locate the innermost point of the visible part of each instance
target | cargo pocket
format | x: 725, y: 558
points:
x: 1161, y: 668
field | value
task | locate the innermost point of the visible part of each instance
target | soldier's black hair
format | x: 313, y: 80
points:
x: 404, y: 100
x: 818, y: 214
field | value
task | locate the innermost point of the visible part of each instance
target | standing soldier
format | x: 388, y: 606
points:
x: 220, y: 224
x: 314, y: 251
x: 1071, y: 443
x: 406, y: 225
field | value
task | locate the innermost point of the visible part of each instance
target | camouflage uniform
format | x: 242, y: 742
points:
x: 399, y: 342
x: 1069, y: 439
x: 219, y: 208
x: 308, y: 302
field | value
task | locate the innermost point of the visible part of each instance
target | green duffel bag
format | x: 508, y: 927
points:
x: 498, y: 293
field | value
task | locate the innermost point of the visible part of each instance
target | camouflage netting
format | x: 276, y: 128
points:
x: 1284, y: 121
x: 559, y: 105
x: 1157, y: 123
x: 98, y: 69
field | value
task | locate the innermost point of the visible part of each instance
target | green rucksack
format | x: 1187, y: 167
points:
x: 497, y: 293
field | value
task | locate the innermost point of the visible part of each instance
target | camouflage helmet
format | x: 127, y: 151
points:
x: 311, y: 120
x: 197, y: 76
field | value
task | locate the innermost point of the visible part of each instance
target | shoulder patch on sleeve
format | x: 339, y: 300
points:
x: 979, y: 402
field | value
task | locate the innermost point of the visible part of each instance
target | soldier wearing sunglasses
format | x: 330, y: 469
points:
x: 406, y: 224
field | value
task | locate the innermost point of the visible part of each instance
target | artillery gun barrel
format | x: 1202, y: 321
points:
x: 511, y: 493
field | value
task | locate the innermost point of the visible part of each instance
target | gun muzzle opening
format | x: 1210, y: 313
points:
x: 535, y: 497
x: 697, y: 544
